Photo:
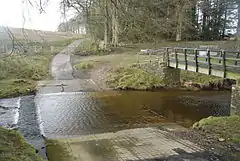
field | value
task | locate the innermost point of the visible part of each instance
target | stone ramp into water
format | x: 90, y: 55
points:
x: 140, y: 144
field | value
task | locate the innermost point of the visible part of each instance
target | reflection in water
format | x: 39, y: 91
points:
x: 175, y: 106
x: 70, y: 114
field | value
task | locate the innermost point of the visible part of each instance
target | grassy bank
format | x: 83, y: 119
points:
x: 227, y: 128
x: 14, y: 148
x: 84, y: 65
x: 19, y: 73
x: 198, y: 78
x: 56, y: 151
x: 133, y: 78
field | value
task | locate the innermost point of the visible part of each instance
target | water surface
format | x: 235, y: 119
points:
x: 72, y: 114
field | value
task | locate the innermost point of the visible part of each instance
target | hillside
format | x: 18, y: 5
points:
x: 35, y: 35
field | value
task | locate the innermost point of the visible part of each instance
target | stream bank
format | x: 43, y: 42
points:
x: 20, y: 114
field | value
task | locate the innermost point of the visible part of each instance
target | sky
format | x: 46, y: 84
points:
x: 13, y: 11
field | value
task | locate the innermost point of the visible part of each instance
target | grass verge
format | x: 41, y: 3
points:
x: 198, y: 78
x: 84, y: 65
x: 222, y: 127
x: 19, y: 73
x: 56, y: 151
x: 16, y: 87
x: 14, y: 148
x: 133, y: 78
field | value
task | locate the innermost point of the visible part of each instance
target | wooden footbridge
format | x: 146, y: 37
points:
x: 221, y: 63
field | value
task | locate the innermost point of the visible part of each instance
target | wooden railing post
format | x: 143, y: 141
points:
x: 176, y: 57
x: 196, y: 59
x: 238, y: 56
x: 221, y: 55
x: 209, y: 62
x: 186, y: 61
x: 224, y: 63
x: 138, y: 57
x: 167, y: 56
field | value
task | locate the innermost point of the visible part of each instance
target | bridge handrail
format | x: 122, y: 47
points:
x: 227, y: 60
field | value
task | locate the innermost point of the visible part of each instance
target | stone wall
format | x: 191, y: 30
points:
x: 170, y: 76
x: 235, y: 104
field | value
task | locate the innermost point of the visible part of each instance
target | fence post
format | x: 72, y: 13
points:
x: 238, y: 55
x: 176, y: 57
x: 185, y: 57
x: 196, y: 59
x: 167, y: 57
x: 224, y: 63
x: 209, y: 62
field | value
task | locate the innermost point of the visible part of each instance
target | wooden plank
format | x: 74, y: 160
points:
x: 233, y: 66
x: 191, y: 55
x: 233, y: 59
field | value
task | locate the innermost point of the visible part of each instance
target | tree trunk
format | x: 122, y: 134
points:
x: 238, y: 26
x: 115, y: 24
x: 180, y: 16
x: 106, y: 24
x: 224, y: 21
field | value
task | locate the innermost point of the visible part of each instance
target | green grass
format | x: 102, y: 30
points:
x: 202, y: 79
x: 84, y: 65
x: 14, y: 148
x: 35, y: 67
x: 221, y: 127
x: 16, y: 87
x: 56, y: 151
x: 133, y: 78
x: 19, y: 73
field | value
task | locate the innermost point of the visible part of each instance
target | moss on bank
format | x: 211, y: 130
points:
x: 14, y: 148
x: 221, y: 127
x: 133, y: 78
x: 56, y: 151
